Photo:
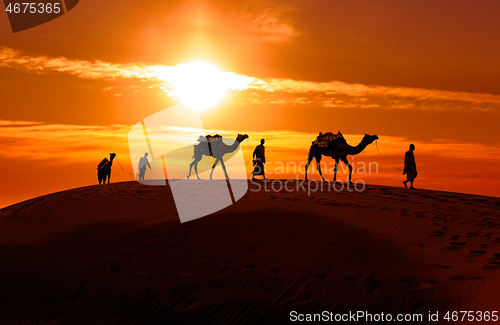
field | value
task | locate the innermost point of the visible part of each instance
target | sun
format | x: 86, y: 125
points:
x: 198, y: 85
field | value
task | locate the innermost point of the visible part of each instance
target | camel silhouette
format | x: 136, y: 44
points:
x: 104, y: 169
x: 338, y: 149
x: 215, y: 147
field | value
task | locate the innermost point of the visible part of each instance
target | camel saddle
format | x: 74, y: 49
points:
x: 323, y: 139
x: 102, y: 163
x: 210, y: 140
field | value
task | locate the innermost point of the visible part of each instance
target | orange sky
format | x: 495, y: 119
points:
x: 424, y: 72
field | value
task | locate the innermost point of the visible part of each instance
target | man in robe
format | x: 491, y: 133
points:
x: 259, y: 159
x: 143, y: 162
x: 410, y: 168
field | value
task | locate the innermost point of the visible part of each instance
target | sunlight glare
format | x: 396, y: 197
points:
x: 200, y: 85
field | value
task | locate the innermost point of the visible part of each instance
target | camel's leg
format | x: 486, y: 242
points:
x: 213, y: 167
x: 318, y: 167
x: 336, y: 170
x: 109, y: 177
x: 195, y: 165
x: 190, y: 167
x: 309, y: 159
x: 197, y: 159
x: 224, y: 168
x: 345, y: 161
x: 196, y: 170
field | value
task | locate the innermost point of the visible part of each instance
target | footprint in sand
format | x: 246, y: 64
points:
x: 404, y: 213
x: 430, y: 281
x: 438, y: 233
x: 494, y: 261
x: 454, y: 246
x: 352, y: 280
x: 250, y: 266
x: 458, y: 243
x: 460, y: 277
x: 320, y: 277
x: 254, y: 247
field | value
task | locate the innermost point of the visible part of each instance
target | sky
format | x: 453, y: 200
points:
x: 421, y: 72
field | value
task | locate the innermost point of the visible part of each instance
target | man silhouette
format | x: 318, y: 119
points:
x: 410, y: 168
x: 259, y: 159
x: 143, y: 162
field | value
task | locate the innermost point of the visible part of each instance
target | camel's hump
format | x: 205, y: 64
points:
x: 329, y: 136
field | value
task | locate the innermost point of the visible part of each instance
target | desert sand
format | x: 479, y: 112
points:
x: 118, y: 253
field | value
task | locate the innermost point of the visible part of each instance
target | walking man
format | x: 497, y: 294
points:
x: 410, y: 168
x: 259, y: 159
x: 143, y: 162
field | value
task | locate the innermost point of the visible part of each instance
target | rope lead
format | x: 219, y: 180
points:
x: 376, y: 144
x: 123, y: 169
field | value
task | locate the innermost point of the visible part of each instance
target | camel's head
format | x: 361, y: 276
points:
x: 241, y: 137
x: 112, y: 155
x: 368, y: 139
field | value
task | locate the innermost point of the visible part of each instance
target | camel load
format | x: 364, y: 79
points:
x: 209, y: 138
x: 323, y: 139
x: 207, y: 142
x: 102, y: 163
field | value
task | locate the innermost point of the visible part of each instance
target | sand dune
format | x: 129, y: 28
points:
x: 118, y: 254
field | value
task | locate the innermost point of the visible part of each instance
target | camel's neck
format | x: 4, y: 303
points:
x: 111, y: 160
x: 234, y: 146
x: 357, y: 149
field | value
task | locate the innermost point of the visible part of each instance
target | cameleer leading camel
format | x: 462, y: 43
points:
x: 216, y: 148
x: 338, y: 149
x: 104, y: 169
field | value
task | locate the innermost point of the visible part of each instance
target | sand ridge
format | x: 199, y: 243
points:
x: 118, y: 254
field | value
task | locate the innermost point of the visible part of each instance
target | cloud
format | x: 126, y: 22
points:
x: 262, y: 21
x: 269, y: 27
x: 334, y: 94
x: 359, y: 90
x: 58, y: 142
x: 4, y: 123
x: 10, y: 58
x: 163, y: 77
